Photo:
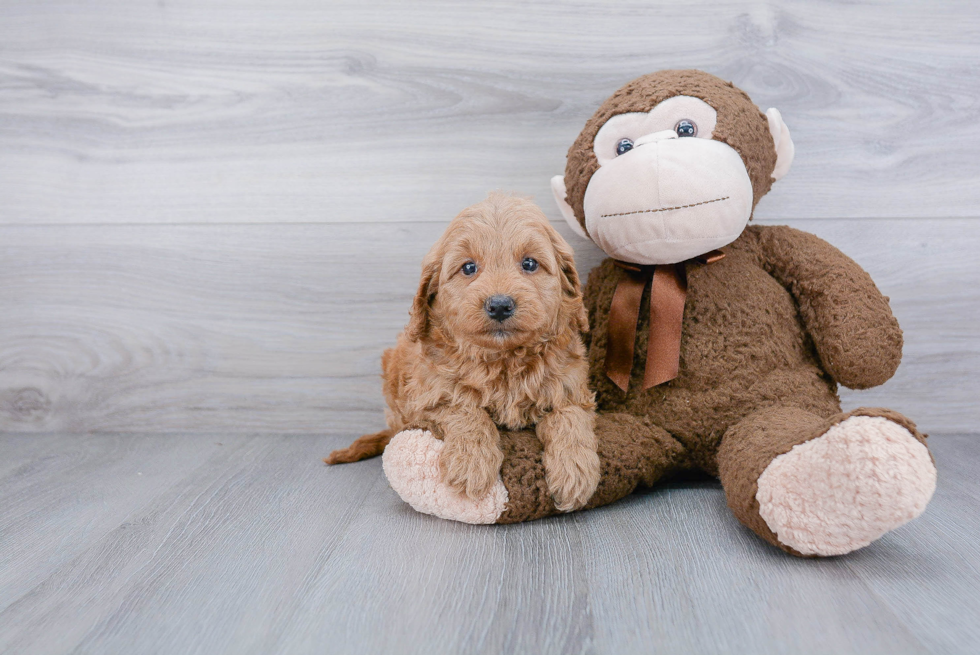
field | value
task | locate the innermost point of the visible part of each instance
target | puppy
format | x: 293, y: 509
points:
x: 494, y: 339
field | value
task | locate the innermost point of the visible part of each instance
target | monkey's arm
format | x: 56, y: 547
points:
x: 856, y: 336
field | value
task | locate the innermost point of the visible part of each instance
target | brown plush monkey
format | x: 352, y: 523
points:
x: 733, y: 366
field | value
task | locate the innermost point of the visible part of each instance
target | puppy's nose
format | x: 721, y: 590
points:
x: 499, y: 308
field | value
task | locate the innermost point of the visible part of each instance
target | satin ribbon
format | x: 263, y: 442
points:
x: 668, y: 293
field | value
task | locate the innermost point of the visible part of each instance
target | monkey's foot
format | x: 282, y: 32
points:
x: 839, y: 492
x: 411, y: 464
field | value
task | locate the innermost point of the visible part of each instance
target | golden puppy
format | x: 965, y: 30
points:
x: 494, y: 340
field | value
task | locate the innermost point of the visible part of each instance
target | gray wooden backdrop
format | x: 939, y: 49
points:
x: 212, y: 213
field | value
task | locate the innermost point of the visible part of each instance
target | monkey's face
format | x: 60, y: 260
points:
x: 664, y: 185
x: 665, y: 191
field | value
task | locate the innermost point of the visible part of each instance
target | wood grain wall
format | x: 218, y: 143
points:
x: 212, y: 213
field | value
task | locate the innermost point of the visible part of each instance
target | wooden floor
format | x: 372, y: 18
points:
x: 179, y: 544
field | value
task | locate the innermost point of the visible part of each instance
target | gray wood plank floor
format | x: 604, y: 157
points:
x: 248, y: 544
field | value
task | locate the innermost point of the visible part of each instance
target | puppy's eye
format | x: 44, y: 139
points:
x: 469, y: 268
x: 624, y: 146
x: 529, y: 264
x: 686, y: 127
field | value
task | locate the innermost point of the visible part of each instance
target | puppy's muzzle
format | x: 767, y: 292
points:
x: 499, y: 308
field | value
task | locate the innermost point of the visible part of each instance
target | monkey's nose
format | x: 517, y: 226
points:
x: 655, y: 136
x: 499, y: 308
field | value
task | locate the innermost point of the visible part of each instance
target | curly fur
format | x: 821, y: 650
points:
x: 460, y: 374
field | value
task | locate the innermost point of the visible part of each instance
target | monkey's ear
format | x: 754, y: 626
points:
x: 785, y: 150
x: 558, y: 188
x: 418, y: 315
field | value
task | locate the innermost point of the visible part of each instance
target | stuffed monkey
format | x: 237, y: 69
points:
x: 715, y: 345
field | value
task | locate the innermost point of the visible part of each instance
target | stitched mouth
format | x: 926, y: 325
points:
x: 665, y: 209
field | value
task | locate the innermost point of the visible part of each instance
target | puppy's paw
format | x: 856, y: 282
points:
x: 572, y: 474
x: 471, y: 467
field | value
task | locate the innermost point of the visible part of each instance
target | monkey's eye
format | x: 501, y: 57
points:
x: 469, y: 268
x: 624, y: 146
x: 530, y: 264
x: 686, y: 127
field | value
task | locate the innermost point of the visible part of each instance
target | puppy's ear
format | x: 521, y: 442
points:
x: 418, y: 316
x: 571, y: 286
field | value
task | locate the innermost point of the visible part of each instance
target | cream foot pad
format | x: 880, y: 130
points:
x: 411, y: 464
x: 844, y: 489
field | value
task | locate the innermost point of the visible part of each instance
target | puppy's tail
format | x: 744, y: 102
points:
x: 370, y: 445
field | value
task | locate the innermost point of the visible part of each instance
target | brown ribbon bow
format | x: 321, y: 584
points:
x: 668, y: 292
